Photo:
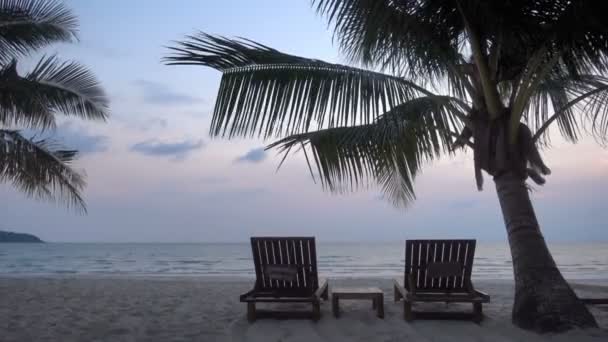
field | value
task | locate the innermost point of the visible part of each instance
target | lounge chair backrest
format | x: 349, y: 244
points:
x: 439, y: 265
x: 286, y: 265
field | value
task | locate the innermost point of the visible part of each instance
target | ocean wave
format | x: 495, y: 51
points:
x: 343, y: 260
x: 193, y: 262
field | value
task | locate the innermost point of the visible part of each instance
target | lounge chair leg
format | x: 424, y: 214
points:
x: 408, y: 315
x: 251, y: 312
x: 316, y: 311
x: 380, y: 306
x: 397, y: 293
x: 477, y: 312
x: 335, y: 306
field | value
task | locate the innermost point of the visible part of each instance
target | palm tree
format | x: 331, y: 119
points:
x: 40, y: 167
x: 430, y: 77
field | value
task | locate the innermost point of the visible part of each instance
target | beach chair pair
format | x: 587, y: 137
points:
x: 435, y: 271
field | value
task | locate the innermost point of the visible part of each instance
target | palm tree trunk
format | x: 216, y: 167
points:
x: 544, y: 301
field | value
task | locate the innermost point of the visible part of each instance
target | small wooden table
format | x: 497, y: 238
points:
x: 373, y: 293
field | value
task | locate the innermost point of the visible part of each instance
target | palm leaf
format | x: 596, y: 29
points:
x: 39, y: 169
x: 595, y: 106
x: 388, y: 152
x: 550, y: 96
x: 268, y: 93
x: 349, y: 158
x: 53, y: 87
x: 580, y: 30
x: 27, y: 25
x: 577, y: 103
x: 391, y: 34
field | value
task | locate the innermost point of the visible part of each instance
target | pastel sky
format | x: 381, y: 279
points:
x: 154, y: 174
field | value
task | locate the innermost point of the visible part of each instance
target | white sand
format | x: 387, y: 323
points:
x: 207, y: 309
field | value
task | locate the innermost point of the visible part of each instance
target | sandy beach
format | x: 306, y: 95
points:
x: 207, y: 309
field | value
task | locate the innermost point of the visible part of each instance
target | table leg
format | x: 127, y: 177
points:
x: 380, y: 305
x: 335, y: 305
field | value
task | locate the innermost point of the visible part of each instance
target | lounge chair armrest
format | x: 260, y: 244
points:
x: 322, y: 288
x: 399, y: 287
x: 483, y: 295
x: 246, y: 295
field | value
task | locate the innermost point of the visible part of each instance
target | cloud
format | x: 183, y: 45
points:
x: 177, y: 150
x: 70, y: 136
x: 257, y: 155
x: 160, y: 94
x: 149, y: 124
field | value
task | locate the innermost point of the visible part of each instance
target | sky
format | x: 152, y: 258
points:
x: 155, y: 175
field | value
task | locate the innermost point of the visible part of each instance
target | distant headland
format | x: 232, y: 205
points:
x: 18, y: 237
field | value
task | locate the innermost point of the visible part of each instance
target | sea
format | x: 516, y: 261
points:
x: 492, y: 260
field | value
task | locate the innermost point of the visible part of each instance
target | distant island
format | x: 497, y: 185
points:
x: 18, y: 237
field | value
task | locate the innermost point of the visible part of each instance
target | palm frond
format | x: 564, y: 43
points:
x: 17, y: 105
x: 40, y: 169
x: 52, y: 87
x: 394, y: 35
x: 27, y: 25
x: 426, y: 36
x: 268, y: 93
x: 538, y: 68
x: 577, y: 104
x: 547, y: 96
x: 351, y: 158
x: 580, y: 30
x: 595, y: 108
x: 387, y: 153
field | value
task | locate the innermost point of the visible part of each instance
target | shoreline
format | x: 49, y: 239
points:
x: 600, y: 282
x: 208, y: 309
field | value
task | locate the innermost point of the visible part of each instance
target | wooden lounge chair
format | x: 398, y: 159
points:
x: 286, y: 272
x: 439, y: 271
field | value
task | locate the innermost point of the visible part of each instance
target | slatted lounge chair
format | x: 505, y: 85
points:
x: 286, y: 272
x: 439, y: 271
